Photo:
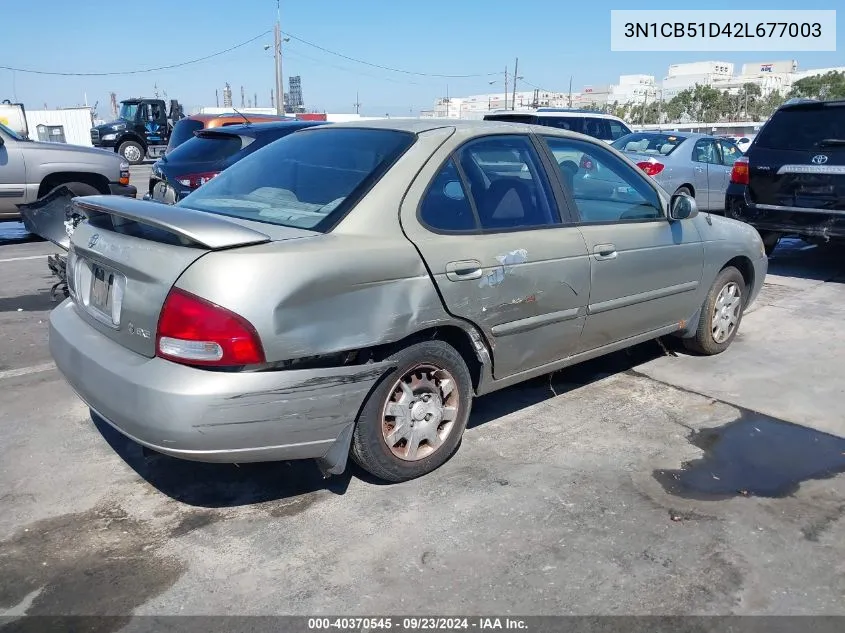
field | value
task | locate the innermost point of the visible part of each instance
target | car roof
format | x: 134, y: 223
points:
x: 206, y: 118
x: 811, y: 104
x: 252, y: 130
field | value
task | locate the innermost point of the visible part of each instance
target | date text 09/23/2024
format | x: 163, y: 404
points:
x: 416, y: 623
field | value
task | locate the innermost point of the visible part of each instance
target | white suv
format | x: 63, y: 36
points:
x: 602, y: 126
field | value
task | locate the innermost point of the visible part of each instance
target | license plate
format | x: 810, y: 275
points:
x: 102, y: 284
x: 162, y: 192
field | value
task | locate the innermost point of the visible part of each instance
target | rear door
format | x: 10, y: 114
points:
x: 797, y: 160
x: 706, y: 160
x: 644, y: 270
x: 486, y: 220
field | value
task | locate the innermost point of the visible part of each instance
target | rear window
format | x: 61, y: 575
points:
x: 802, y: 128
x: 209, y: 148
x: 183, y: 131
x: 303, y: 180
x: 657, y: 144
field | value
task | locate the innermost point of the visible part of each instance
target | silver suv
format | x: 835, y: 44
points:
x: 30, y: 170
x: 596, y: 124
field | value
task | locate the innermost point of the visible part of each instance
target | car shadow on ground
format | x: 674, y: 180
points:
x: 229, y: 485
x: 819, y: 262
x: 40, y: 301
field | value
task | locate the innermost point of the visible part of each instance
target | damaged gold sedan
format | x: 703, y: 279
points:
x: 349, y: 289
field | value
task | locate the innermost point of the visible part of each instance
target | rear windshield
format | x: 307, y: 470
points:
x: 183, y: 131
x: 802, y: 128
x: 303, y: 180
x: 208, y: 148
x: 641, y: 143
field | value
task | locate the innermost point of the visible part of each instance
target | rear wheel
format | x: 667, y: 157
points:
x: 132, y: 152
x: 78, y: 189
x: 413, y: 420
x: 721, y: 314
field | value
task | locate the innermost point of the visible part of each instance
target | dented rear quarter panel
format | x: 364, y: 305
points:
x: 360, y: 285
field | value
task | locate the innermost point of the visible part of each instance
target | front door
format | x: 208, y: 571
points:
x: 709, y: 174
x: 12, y: 176
x: 644, y: 270
x: 485, y: 219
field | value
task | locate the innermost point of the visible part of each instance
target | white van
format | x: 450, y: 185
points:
x: 596, y: 124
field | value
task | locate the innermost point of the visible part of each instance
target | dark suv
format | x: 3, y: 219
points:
x: 209, y: 152
x: 791, y: 181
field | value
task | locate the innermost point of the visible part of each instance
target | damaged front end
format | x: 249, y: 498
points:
x: 54, y: 218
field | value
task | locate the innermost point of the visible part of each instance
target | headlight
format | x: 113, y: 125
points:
x: 124, y: 165
x: 109, y: 137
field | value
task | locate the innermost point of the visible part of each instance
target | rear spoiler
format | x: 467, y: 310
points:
x: 206, y: 229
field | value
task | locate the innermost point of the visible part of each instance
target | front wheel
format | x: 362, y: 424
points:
x: 721, y: 314
x: 132, y: 152
x: 413, y: 420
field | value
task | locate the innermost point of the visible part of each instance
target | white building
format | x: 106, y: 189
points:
x: 769, y: 75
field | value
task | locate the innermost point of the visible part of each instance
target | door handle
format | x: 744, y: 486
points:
x: 604, y: 251
x: 464, y: 270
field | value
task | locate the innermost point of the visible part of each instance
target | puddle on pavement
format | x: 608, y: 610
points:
x: 755, y: 455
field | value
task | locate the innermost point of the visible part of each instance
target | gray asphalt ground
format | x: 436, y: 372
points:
x: 649, y: 482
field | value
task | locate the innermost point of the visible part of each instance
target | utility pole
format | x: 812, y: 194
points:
x: 570, y: 91
x: 243, y: 103
x: 272, y: 101
x: 506, y: 87
x: 515, y: 75
x: 357, y: 103
x: 217, y: 97
x: 280, y: 85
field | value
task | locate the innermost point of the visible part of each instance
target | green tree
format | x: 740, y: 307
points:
x: 831, y: 85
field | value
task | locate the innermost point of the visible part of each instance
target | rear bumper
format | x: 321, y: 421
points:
x: 116, y: 189
x: 785, y: 220
x: 207, y: 415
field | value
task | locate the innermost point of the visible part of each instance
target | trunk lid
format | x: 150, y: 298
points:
x: 798, y: 159
x: 126, y: 257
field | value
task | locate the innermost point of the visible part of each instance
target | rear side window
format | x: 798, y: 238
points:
x: 802, y: 128
x: 644, y: 143
x: 446, y: 206
x: 183, y: 131
x: 617, y: 130
x: 571, y: 123
x: 509, y: 186
x: 209, y: 148
x: 304, y: 180
x: 513, y: 118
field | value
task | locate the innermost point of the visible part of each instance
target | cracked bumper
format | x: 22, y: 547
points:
x: 207, y: 415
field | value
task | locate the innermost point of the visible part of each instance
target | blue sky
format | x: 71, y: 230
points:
x: 552, y: 39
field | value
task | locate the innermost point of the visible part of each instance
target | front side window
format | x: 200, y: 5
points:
x: 617, y: 130
x: 604, y: 188
x: 507, y: 183
x: 730, y: 153
x: 303, y: 180
x: 704, y: 151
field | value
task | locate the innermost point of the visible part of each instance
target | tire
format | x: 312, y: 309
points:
x: 423, y: 369
x: 770, y: 241
x: 135, y: 150
x: 706, y: 341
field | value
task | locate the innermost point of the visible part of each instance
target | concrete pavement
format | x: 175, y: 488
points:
x: 556, y: 503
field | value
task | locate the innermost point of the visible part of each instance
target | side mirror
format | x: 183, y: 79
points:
x: 682, y: 207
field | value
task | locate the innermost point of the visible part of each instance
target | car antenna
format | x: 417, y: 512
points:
x: 248, y: 122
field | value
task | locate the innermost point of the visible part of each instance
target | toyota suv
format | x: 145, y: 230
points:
x: 791, y: 181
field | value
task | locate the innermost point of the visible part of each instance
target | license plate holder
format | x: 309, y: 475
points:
x: 104, y: 297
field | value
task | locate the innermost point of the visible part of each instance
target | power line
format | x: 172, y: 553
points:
x: 395, y: 70
x: 137, y: 72
x: 296, y: 54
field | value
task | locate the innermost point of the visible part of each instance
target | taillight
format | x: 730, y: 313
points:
x: 194, y: 331
x: 739, y: 173
x: 651, y: 167
x: 587, y: 162
x: 195, y: 181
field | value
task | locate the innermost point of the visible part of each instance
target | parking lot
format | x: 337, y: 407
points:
x: 647, y: 482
